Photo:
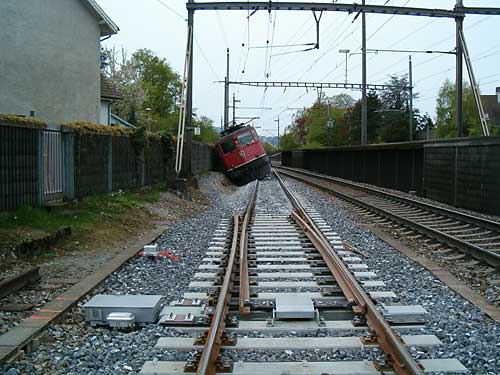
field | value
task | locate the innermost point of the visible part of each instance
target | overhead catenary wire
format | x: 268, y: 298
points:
x: 172, y: 10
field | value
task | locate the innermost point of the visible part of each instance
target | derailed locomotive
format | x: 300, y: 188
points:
x: 242, y: 153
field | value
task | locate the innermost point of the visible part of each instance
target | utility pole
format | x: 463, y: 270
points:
x: 364, y: 102
x: 278, y: 121
x: 234, y: 108
x: 459, y: 22
x: 189, y: 98
x: 226, y: 94
x: 411, y: 98
x: 346, y: 51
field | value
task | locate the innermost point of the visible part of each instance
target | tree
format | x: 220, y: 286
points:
x: 268, y: 148
x: 445, y: 112
x: 208, y: 134
x: 353, y: 119
x: 150, y: 87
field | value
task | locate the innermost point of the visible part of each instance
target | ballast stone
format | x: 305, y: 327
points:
x: 144, y: 308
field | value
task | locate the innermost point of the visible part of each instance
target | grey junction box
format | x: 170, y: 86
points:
x: 294, y: 306
x: 145, y: 308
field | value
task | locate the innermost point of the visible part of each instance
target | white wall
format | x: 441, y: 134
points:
x: 104, y: 113
x: 50, y: 60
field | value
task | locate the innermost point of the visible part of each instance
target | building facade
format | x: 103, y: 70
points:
x: 50, y: 64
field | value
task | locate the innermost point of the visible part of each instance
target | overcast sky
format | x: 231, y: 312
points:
x: 160, y: 25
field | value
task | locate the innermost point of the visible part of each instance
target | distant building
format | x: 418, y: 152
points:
x: 491, y: 109
x: 50, y: 60
x: 109, y: 95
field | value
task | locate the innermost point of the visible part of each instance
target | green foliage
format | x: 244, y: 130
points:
x: 445, y: 112
x: 82, y: 127
x: 388, y: 115
x: 208, y: 134
x: 268, y: 148
x: 161, y: 84
x: 79, y: 213
x: 18, y: 120
x: 289, y: 142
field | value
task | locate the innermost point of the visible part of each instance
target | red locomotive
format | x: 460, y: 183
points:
x: 243, y: 155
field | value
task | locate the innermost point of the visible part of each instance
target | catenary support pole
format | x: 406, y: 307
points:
x: 278, y: 121
x: 411, y: 98
x: 364, y: 102
x: 189, y: 100
x: 459, y: 21
x: 226, y: 94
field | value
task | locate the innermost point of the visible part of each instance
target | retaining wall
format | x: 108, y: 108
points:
x: 460, y: 172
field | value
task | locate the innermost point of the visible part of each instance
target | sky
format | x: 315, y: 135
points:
x: 160, y: 25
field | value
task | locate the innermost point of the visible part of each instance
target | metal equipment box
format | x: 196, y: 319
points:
x: 121, y: 320
x: 151, y: 250
x: 145, y: 308
x: 294, y: 306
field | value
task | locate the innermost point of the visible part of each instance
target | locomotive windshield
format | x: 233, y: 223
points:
x: 228, y: 146
x: 245, y: 139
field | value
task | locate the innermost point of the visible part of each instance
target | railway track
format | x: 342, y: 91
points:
x: 470, y: 235
x: 279, y: 280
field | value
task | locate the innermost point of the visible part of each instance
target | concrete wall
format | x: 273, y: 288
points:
x: 50, y: 60
x: 104, y: 113
x: 460, y: 172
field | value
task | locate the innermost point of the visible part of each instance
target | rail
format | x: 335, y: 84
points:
x: 397, y: 355
x: 209, y: 362
x: 15, y: 283
x: 424, y: 205
x: 244, y: 295
x: 490, y: 257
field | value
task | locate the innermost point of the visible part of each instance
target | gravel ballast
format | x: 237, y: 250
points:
x: 77, y: 348
x: 467, y: 334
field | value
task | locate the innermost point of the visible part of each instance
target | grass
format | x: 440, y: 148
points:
x: 88, y: 215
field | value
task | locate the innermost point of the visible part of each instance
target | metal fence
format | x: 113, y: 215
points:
x: 19, y: 167
x: 43, y: 166
x: 52, y: 163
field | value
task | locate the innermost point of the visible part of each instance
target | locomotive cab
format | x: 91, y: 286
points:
x: 243, y: 156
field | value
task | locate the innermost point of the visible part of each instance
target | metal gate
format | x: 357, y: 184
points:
x: 52, y: 164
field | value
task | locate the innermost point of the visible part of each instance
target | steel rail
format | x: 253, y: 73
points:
x: 244, y: 293
x: 15, y: 283
x: 208, y: 361
x: 477, y: 252
x: 490, y: 224
x: 397, y: 354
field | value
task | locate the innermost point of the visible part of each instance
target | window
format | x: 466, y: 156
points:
x: 245, y: 139
x: 228, y: 146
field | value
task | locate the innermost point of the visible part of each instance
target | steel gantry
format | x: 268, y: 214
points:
x: 458, y: 14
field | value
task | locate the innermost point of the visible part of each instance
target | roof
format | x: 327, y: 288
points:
x: 108, y: 89
x: 492, y: 108
x: 108, y: 27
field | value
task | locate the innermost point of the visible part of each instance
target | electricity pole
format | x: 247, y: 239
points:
x: 346, y: 51
x: 459, y: 21
x: 364, y: 102
x: 189, y: 98
x: 278, y: 121
x: 411, y: 99
x: 226, y: 94
x: 234, y: 108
